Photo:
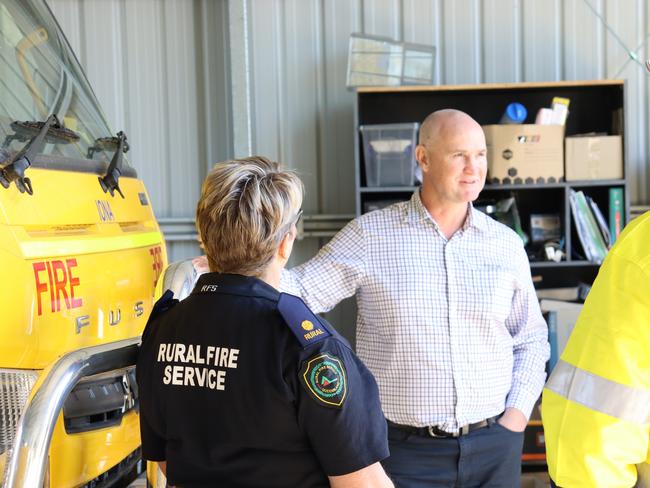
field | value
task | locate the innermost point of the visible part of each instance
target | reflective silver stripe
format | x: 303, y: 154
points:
x: 644, y: 476
x: 599, y: 394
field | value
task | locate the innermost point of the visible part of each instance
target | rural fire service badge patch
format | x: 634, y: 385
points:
x: 324, y: 378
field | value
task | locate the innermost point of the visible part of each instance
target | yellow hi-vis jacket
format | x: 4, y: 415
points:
x: 596, y: 403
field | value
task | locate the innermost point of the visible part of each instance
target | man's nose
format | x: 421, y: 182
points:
x: 471, y: 164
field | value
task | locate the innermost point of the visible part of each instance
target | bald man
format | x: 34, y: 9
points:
x: 448, y: 321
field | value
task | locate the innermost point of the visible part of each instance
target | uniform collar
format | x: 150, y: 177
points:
x: 417, y: 212
x: 235, y: 284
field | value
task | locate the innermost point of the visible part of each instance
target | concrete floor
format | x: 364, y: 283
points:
x: 535, y: 480
x: 140, y: 482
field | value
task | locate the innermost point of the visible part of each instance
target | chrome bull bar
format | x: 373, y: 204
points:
x: 28, y: 461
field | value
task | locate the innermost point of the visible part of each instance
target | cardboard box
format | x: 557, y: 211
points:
x: 545, y: 227
x: 525, y: 153
x: 594, y: 158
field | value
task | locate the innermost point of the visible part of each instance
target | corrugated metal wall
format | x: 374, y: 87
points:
x: 163, y: 70
x: 303, y: 112
x: 158, y: 69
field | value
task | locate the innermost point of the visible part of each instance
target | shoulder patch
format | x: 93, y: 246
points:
x: 164, y: 303
x: 325, y: 379
x: 307, y: 328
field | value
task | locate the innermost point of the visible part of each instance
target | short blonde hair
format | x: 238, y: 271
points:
x: 246, y: 207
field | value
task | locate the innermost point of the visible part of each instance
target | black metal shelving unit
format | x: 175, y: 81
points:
x: 596, y: 106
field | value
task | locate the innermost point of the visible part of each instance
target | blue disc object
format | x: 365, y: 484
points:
x: 516, y: 112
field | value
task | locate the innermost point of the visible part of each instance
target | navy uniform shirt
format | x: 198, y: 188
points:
x: 241, y: 385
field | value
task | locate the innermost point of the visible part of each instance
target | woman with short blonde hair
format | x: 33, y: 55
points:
x: 247, y: 206
x: 241, y: 385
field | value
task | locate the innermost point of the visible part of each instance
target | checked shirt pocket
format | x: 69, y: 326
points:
x: 493, y: 289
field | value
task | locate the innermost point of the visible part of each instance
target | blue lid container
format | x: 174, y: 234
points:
x: 515, y: 113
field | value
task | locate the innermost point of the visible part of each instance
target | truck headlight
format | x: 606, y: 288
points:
x: 15, y: 386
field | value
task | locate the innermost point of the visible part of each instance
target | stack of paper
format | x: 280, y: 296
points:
x: 589, y: 231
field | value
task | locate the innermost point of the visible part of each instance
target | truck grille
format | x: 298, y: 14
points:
x: 100, y: 401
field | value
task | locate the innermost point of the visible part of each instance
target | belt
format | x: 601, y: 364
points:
x: 435, y: 431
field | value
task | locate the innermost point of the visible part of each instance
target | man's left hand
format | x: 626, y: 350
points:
x: 513, y: 419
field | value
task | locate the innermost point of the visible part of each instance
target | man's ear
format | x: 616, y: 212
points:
x: 286, y: 245
x: 421, y: 157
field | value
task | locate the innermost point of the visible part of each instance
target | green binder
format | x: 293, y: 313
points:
x: 616, y: 214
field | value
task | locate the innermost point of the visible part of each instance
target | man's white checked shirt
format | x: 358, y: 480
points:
x: 451, y: 329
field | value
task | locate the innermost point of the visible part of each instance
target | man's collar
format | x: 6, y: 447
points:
x: 416, y: 212
x: 475, y: 218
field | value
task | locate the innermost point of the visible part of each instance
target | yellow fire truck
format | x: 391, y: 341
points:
x: 81, y: 253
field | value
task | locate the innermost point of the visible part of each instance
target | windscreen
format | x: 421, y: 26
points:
x: 39, y: 76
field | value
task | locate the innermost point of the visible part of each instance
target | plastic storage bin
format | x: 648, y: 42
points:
x: 389, y: 154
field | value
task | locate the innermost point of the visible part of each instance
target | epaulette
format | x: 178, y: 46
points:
x: 164, y: 303
x: 304, y: 324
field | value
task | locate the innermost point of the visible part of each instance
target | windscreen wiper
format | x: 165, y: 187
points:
x: 110, y: 181
x: 106, y: 144
x: 38, y: 133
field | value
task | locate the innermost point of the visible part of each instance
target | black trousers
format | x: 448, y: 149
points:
x: 487, y: 457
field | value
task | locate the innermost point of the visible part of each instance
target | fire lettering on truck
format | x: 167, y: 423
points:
x: 56, y: 278
x: 157, y: 265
